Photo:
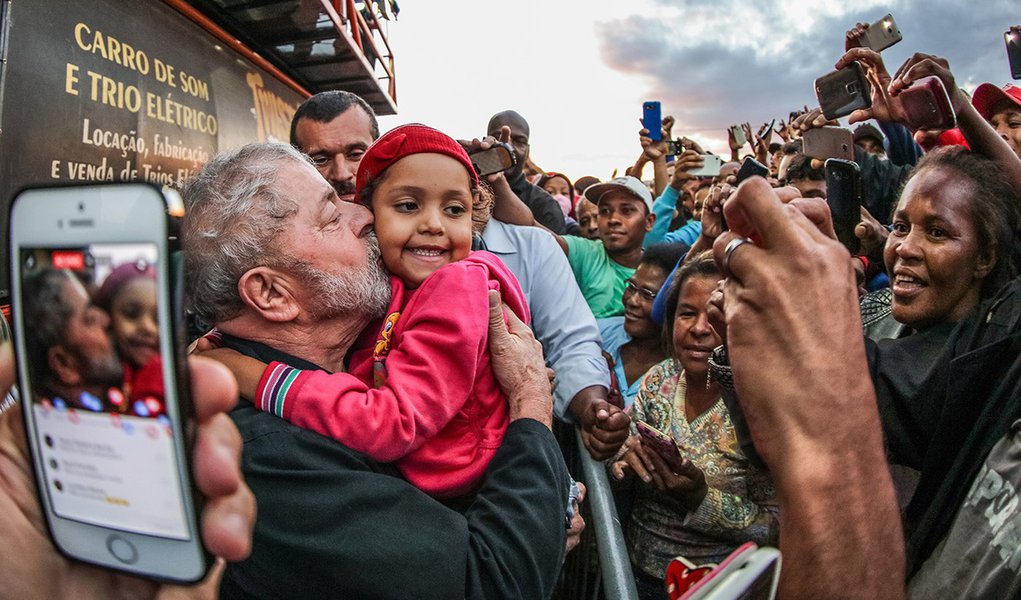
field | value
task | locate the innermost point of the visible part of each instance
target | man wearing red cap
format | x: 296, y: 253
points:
x: 1002, y: 108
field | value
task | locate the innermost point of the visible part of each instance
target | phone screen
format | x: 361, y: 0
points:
x: 97, y: 381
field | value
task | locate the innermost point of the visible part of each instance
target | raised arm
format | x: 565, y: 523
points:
x: 831, y: 474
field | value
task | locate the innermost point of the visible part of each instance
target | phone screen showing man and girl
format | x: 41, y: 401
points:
x: 96, y: 378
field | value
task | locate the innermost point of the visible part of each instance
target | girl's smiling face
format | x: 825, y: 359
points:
x: 133, y: 315
x: 422, y: 208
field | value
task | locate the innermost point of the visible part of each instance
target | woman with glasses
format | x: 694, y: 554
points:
x: 714, y: 499
x: 632, y: 343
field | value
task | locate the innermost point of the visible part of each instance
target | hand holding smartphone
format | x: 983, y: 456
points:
x: 106, y: 403
x: 652, y: 119
x: 843, y: 195
x: 496, y: 159
x: 843, y: 91
x: 927, y: 105
x: 882, y: 34
x: 662, y: 444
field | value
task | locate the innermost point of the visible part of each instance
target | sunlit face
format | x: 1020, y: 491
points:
x: 694, y: 339
x: 588, y: 219
x: 134, y: 319
x: 932, y: 255
x: 87, y: 340
x: 422, y: 208
x: 557, y: 185
x: 1007, y: 123
x: 331, y: 249
x: 638, y: 296
x: 336, y: 147
x: 623, y: 221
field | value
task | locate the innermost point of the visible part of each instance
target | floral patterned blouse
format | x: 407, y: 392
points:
x: 740, y: 505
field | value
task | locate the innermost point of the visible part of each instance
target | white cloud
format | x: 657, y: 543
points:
x: 579, y: 70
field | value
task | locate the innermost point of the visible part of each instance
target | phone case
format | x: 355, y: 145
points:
x: 828, y: 142
x: 498, y: 158
x: 843, y: 195
x: 927, y: 105
x: 751, y: 167
x: 882, y: 34
x: 1013, y: 41
x: 652, y: 119
x: 739, y: 135
x: 710, y: 167
x: 843, y: 91
x: 661, y: 443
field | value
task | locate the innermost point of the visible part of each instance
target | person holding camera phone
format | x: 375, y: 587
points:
x: 32, y: 568
x: 716, y: 500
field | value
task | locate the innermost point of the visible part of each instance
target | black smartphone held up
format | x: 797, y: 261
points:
x: 103, y: 379
x: 843, y: 91
x: 927, y: 105
x: 749, y: 168
x: 843, y: 194
x: 882, y: 34
x: 496, y: 159
x: 652, y: 119
x: 1013, y: 40
x: 828, y: 142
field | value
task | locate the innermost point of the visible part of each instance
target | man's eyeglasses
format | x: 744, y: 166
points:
x: 645, y: 293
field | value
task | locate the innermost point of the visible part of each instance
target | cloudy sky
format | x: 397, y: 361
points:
x: 579, y: 70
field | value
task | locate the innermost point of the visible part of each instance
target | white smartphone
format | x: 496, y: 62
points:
x: 711, y: 164
x: 102, y: 378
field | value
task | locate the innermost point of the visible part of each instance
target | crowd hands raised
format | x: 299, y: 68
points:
x: 814, y: 395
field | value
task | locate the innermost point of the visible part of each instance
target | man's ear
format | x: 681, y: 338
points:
x: 650, y: 220
x: 270, y: 293
x: 63, y: 365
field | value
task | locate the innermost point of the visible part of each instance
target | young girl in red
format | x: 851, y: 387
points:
x: 419, y: 389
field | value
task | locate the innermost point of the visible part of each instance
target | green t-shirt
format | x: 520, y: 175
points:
x: 601, y: 280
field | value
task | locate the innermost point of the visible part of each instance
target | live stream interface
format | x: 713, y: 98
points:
x: 97, y: 387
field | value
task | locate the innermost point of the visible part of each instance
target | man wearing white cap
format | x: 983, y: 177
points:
x: 602, y: 266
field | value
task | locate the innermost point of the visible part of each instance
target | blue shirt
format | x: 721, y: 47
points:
x: 664, y: 208
x: 614, y: 336
x: 561, y: 318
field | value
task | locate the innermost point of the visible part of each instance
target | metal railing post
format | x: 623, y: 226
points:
x: 618, y: 579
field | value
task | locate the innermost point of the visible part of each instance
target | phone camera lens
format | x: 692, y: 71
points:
x: 81, y: 207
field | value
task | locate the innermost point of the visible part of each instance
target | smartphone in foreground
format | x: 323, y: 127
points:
x: 652, y: 119
x: 882, y: 34
x: 843, y: 195
x: 843, y: 91
x: 493, y: 160
x: 822, y: 143
x: 927, y: 105
x: 749, y: 573
x: 1013, y: 40
x: 102, y: 377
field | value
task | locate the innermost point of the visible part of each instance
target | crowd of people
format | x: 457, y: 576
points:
x: 403, y: 332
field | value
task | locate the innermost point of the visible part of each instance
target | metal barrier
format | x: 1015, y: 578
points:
x: 599, y: 568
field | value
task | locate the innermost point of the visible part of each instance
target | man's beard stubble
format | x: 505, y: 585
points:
x: 357, y: 292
